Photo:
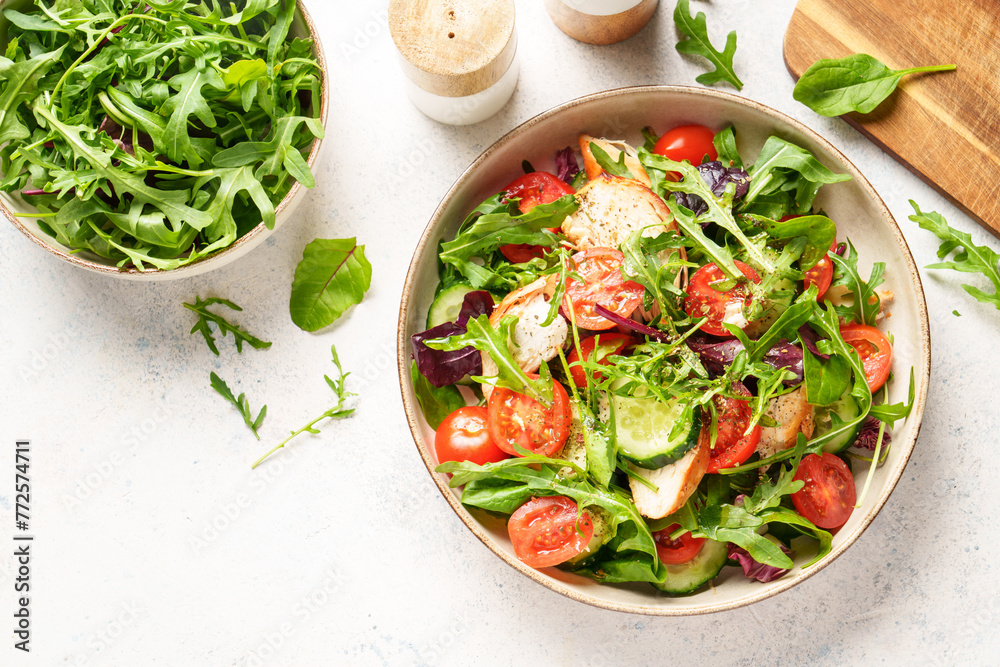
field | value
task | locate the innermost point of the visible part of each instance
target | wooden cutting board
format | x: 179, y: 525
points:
x: 943, y: 127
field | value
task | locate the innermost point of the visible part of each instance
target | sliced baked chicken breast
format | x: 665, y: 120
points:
x: 794, y: 415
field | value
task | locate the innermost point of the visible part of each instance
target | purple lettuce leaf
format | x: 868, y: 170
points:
x: 868, y: 436
x: 754, y: 570
x: 717, y: 176
x: 440, y: 367
x: 718, y: 355
x: 655, y: 334
x: 566, y: 166
x: 810, y: 337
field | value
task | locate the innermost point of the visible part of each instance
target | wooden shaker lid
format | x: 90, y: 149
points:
x: 454, y: 48
x: 597, y: 27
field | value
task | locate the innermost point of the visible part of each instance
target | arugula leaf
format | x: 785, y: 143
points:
x: 971, y: 259
x: 699, y: 44
x: 338, y: 411
x: 480, y: 334
x: 189, y: 101
x: 93, y: 94
x: 240, y: 335
x: 615, y: 168
x: 720, y: 211
x: 21, y: 86
x: 241, y: 403
x: 435, y: 402
x: 865, y: 305
x: 495, y: 223
x: 783, y: 166
x: 858, y: 82
x: 725, y: 147
x: 332, y: 276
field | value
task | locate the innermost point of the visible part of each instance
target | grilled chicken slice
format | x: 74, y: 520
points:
x: 675, y: 482
x: 530, y: 343
x: 611, y: 208
x: 614, y: 149
x: 794, y: 415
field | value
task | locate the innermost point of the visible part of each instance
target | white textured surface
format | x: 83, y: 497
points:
x: 341, y: 551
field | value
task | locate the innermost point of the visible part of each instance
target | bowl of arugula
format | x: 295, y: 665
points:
x: 781, y: 156
x: 158, y: 142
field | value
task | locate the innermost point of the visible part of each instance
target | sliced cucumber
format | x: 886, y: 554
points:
x: 690, y: 576
x: 653, y: 434
x: 846, y: 409
x: 447, y: 304
x: 602, y: 533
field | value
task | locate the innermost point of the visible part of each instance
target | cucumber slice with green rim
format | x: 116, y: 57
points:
x: 653, y: 434
x: 846, y: 409
x: 602, y: 533
x: 447, y: 304
x: 688, y: 577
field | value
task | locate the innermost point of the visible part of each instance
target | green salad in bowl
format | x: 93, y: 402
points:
x: 160, y: 137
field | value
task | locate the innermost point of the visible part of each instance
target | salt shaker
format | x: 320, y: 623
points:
x: 459, y: 56
x: 601, y: 21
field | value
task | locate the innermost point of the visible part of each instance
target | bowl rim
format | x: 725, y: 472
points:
x: 780, y: 585
x: 208, y: 262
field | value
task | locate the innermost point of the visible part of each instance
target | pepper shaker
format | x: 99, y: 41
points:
x: 459, y: 56
x: 601, y: 21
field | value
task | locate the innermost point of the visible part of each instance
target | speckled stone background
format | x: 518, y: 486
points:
x: 156, y: 544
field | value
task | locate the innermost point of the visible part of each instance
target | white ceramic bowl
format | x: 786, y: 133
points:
x: 302, y: 26
x: 620, y: 114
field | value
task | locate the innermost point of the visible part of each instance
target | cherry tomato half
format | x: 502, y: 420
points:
x: 464, y: 436
x: 732, y: 448
x: 681, y: 550
x: 820, y: 275
x: 602, y: 284
x: 610, y: 343
x: 549, y: 530
x: 687, y: 142
x: 827, y: 499
x: 705, y: 301
x: 538, y: 187
x: 515, y: 418
x: 874, y: 349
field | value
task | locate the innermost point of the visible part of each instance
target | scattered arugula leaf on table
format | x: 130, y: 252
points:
x: 241, y: 403
x: 205, y: 316
x: 338, y: 411
x: 971, y: 259
x: 695, y: 27
x: 859, y: 82
x: 332, y: 276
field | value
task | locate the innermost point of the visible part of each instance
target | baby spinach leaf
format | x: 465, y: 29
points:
x: 725, y: 147
x: 971, y: 258
x: 435, y: 402
x: 859, y: 82
x: 332, y: 276
x: 826, y: 379
x: 695, y: 27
